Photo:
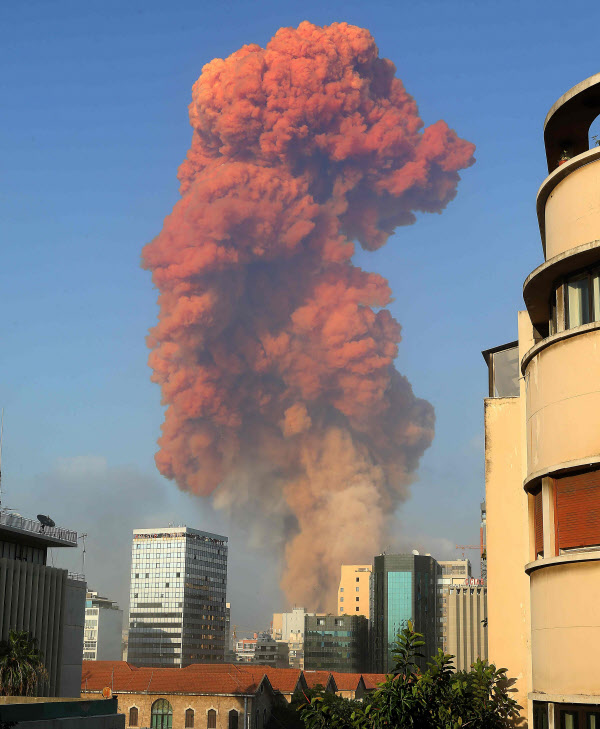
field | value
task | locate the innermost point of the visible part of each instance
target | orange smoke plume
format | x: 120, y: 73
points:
x: 275, y: 353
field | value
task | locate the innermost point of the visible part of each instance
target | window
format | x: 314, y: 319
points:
x: 341, y: 599
x: 211, y: 719
x: 357, y: 609
x: 189, y: 718
x: 593, y: 720
x: 569, y: 719
x: 540, y: 716
x: 133, y: 716
x: 234, y: 719
x: 580, y: 295
x: 358, y: 589
x: 576, y: 509
x: 320, y: 621
x: 161, y: 715
x: 341, y: 589
x: 578, y: 301
x: 357, y: 579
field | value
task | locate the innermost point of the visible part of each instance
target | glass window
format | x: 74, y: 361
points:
x: 540, y: 716
x: 569, y: 720
x: 189, y: 718
x: 162, y: 714
x: 233, y: 719
x: 578, y: 301
x: 212, y: 719
x: 596, y: 295
x: 593, y: 720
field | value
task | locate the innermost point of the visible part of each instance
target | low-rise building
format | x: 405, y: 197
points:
x: 29, y: 712
x: 102, y: 640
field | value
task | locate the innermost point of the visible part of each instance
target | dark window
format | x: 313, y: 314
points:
x: 540, y: 716
x: 569, y: 719
x: 234, y: 719
x: 133, y: 716
x: 577, y: 515
x: 162, y: 715
x: 211, y: 719
x: 189, y: 718
x: 593, y: 720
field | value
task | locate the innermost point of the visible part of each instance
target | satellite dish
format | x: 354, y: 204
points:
x: 415, y: 551
x: 45, y: 520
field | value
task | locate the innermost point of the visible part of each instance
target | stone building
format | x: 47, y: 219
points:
x: 542, y: 444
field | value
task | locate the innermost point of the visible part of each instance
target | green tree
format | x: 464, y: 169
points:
x: 21, y: 665
x: 435, y: 698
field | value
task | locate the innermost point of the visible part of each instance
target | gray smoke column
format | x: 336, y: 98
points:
x: 275, y: 354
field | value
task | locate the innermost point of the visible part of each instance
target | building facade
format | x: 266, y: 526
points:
x: 336, y: 643
x: 542, y: 425
x: 404, y: 588
x: 46, y: 601
x: 289, y: 627
x: 450, y: 572
x: 466, y: 631
x: 177, y: 613
x: 102, y: 640
x: 354, y: 590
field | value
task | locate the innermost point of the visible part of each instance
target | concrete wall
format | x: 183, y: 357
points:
x: 573, y: 210
x: 72, y: 638
x: 565, y: 628
x: 563, y: 403
x: 508, y: 546
x: 467, y: 634
x: 31, y: 598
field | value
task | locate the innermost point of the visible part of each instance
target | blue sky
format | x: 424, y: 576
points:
x: 93, y: 127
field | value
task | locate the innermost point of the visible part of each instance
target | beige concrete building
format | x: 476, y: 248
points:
x: 355, y: 589
x: 450, y: 572
x: 542, y: 453
x: 466, y: 632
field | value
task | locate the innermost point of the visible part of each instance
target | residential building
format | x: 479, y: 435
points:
x: 354, y: 590
x: 245, y: 649
x: 542, y: 426
x: 450, y: 572
x: 466, y: 629
x: 48, y: 602
x: 404, y: 588
x: 483, y: 540
x: 262, y: 650
x: 336, y: 643
x: 177, y: 613
x: 102, y: 640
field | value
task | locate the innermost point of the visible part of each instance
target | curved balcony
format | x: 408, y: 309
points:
x: 562, y: 374
x: 565, y: 623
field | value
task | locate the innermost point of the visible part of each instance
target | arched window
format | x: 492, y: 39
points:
x: 233, y: 719
x: 257, y: 725
x: 189, y: 718
x: 133, y: 716
x: 212, y: 719
x: 162, y: 715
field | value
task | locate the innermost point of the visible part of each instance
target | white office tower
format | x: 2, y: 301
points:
x: 177, y: 613
x: 102, y: 640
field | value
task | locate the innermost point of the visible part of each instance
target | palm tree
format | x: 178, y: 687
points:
x: 21, y: 664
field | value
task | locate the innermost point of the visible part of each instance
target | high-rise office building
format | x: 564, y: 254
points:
x: 354, y: 590
x: 102, y: 640
x: 450, y: 572
x: 48, y: 602
x: 404, y: 588
x: 336, y: 643
x: 542, y: 444
x: 177, y: 613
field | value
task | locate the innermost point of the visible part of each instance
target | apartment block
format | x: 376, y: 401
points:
x: 450, y: 572
x: 542, y: 447
x: 102, y: 640
x: 466, y: 627
x: 354, y: 590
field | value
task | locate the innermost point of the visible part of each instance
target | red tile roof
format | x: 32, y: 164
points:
x: 346, y: 681
x: 372, y: 679
x: 122, y: 677
x: 317, y: 678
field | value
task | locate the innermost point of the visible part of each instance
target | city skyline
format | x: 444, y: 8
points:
x: 81, y: 429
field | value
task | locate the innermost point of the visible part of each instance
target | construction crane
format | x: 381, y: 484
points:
x: 467, y: 546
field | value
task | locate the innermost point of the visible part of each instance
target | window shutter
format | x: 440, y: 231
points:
x: 578, y: 510
x: 538, y: 524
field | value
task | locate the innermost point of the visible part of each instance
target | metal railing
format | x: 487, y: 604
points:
x: 78, y: 576
x: 16, y: 521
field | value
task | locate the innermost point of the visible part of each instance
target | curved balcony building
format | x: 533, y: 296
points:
x: 542, y: 424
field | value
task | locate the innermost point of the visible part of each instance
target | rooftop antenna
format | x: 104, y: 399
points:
x: 82, y: 537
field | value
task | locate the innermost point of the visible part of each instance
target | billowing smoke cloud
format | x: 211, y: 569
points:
x: 273, y: 351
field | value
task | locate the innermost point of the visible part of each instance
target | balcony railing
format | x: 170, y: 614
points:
x: 15, y: 521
